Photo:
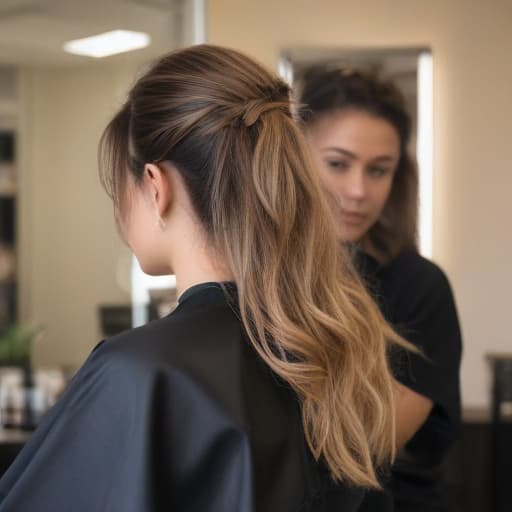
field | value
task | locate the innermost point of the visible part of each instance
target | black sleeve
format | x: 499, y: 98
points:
x: 126, y: 438
x: 425, y: 314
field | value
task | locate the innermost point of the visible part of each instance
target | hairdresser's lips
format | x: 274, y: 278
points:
x: 353, y: 218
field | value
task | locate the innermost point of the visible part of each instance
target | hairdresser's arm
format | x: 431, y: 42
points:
x: 412, y: 410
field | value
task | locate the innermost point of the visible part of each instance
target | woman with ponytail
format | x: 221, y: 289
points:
x: 268, y: 388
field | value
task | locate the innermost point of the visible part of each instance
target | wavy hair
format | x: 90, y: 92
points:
x: 225, y: 123
x: 323, y: 91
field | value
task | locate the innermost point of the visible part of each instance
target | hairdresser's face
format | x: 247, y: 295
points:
x: 356, y: 154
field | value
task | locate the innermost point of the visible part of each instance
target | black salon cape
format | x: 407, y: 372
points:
x: 416, y: 298
x: 177, y: 416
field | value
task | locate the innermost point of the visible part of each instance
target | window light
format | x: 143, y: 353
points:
x: 424, y: 151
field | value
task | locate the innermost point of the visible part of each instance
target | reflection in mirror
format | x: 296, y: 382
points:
x: 411, y: 70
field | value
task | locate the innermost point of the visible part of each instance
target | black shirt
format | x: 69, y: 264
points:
x: 179, y: 415
x: 415, y: 297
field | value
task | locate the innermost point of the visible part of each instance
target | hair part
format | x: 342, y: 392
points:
x: 225, y: 123
x: 324, y: 91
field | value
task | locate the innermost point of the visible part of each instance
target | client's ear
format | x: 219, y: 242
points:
x: 157, y: 180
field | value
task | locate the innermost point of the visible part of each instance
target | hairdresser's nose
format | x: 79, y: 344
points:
x: 354, y: 184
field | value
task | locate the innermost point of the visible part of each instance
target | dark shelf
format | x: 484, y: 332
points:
x: 7, y: 146
x: 8, y: 229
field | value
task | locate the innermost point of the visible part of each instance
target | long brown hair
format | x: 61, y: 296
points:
x: 323, y: 91
x: 225, y: 124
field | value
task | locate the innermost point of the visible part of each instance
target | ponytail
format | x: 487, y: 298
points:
x: 302, y: 305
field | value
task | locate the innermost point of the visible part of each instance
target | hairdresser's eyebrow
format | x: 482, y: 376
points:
x: 349, y: 154
x: 341, y: 151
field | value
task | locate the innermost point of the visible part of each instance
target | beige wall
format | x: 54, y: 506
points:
x: 70, y: 251
x: 471, y: 43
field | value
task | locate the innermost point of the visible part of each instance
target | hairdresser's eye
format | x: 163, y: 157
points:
x: 338, y: 165
x: 377, y: 171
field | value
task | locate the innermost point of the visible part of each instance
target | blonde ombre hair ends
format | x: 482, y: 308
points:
x: 226, y: 124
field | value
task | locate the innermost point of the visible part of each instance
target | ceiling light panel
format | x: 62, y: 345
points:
x: 108, y: 43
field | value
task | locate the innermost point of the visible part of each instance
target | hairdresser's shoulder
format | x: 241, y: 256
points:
x: 418, y: 272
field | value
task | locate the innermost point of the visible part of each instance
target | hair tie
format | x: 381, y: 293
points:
x: 253, y: 109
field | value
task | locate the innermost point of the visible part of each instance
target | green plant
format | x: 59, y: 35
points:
x: 16, y: 345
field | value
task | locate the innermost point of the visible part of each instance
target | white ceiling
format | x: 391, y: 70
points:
x: 33, y: 31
